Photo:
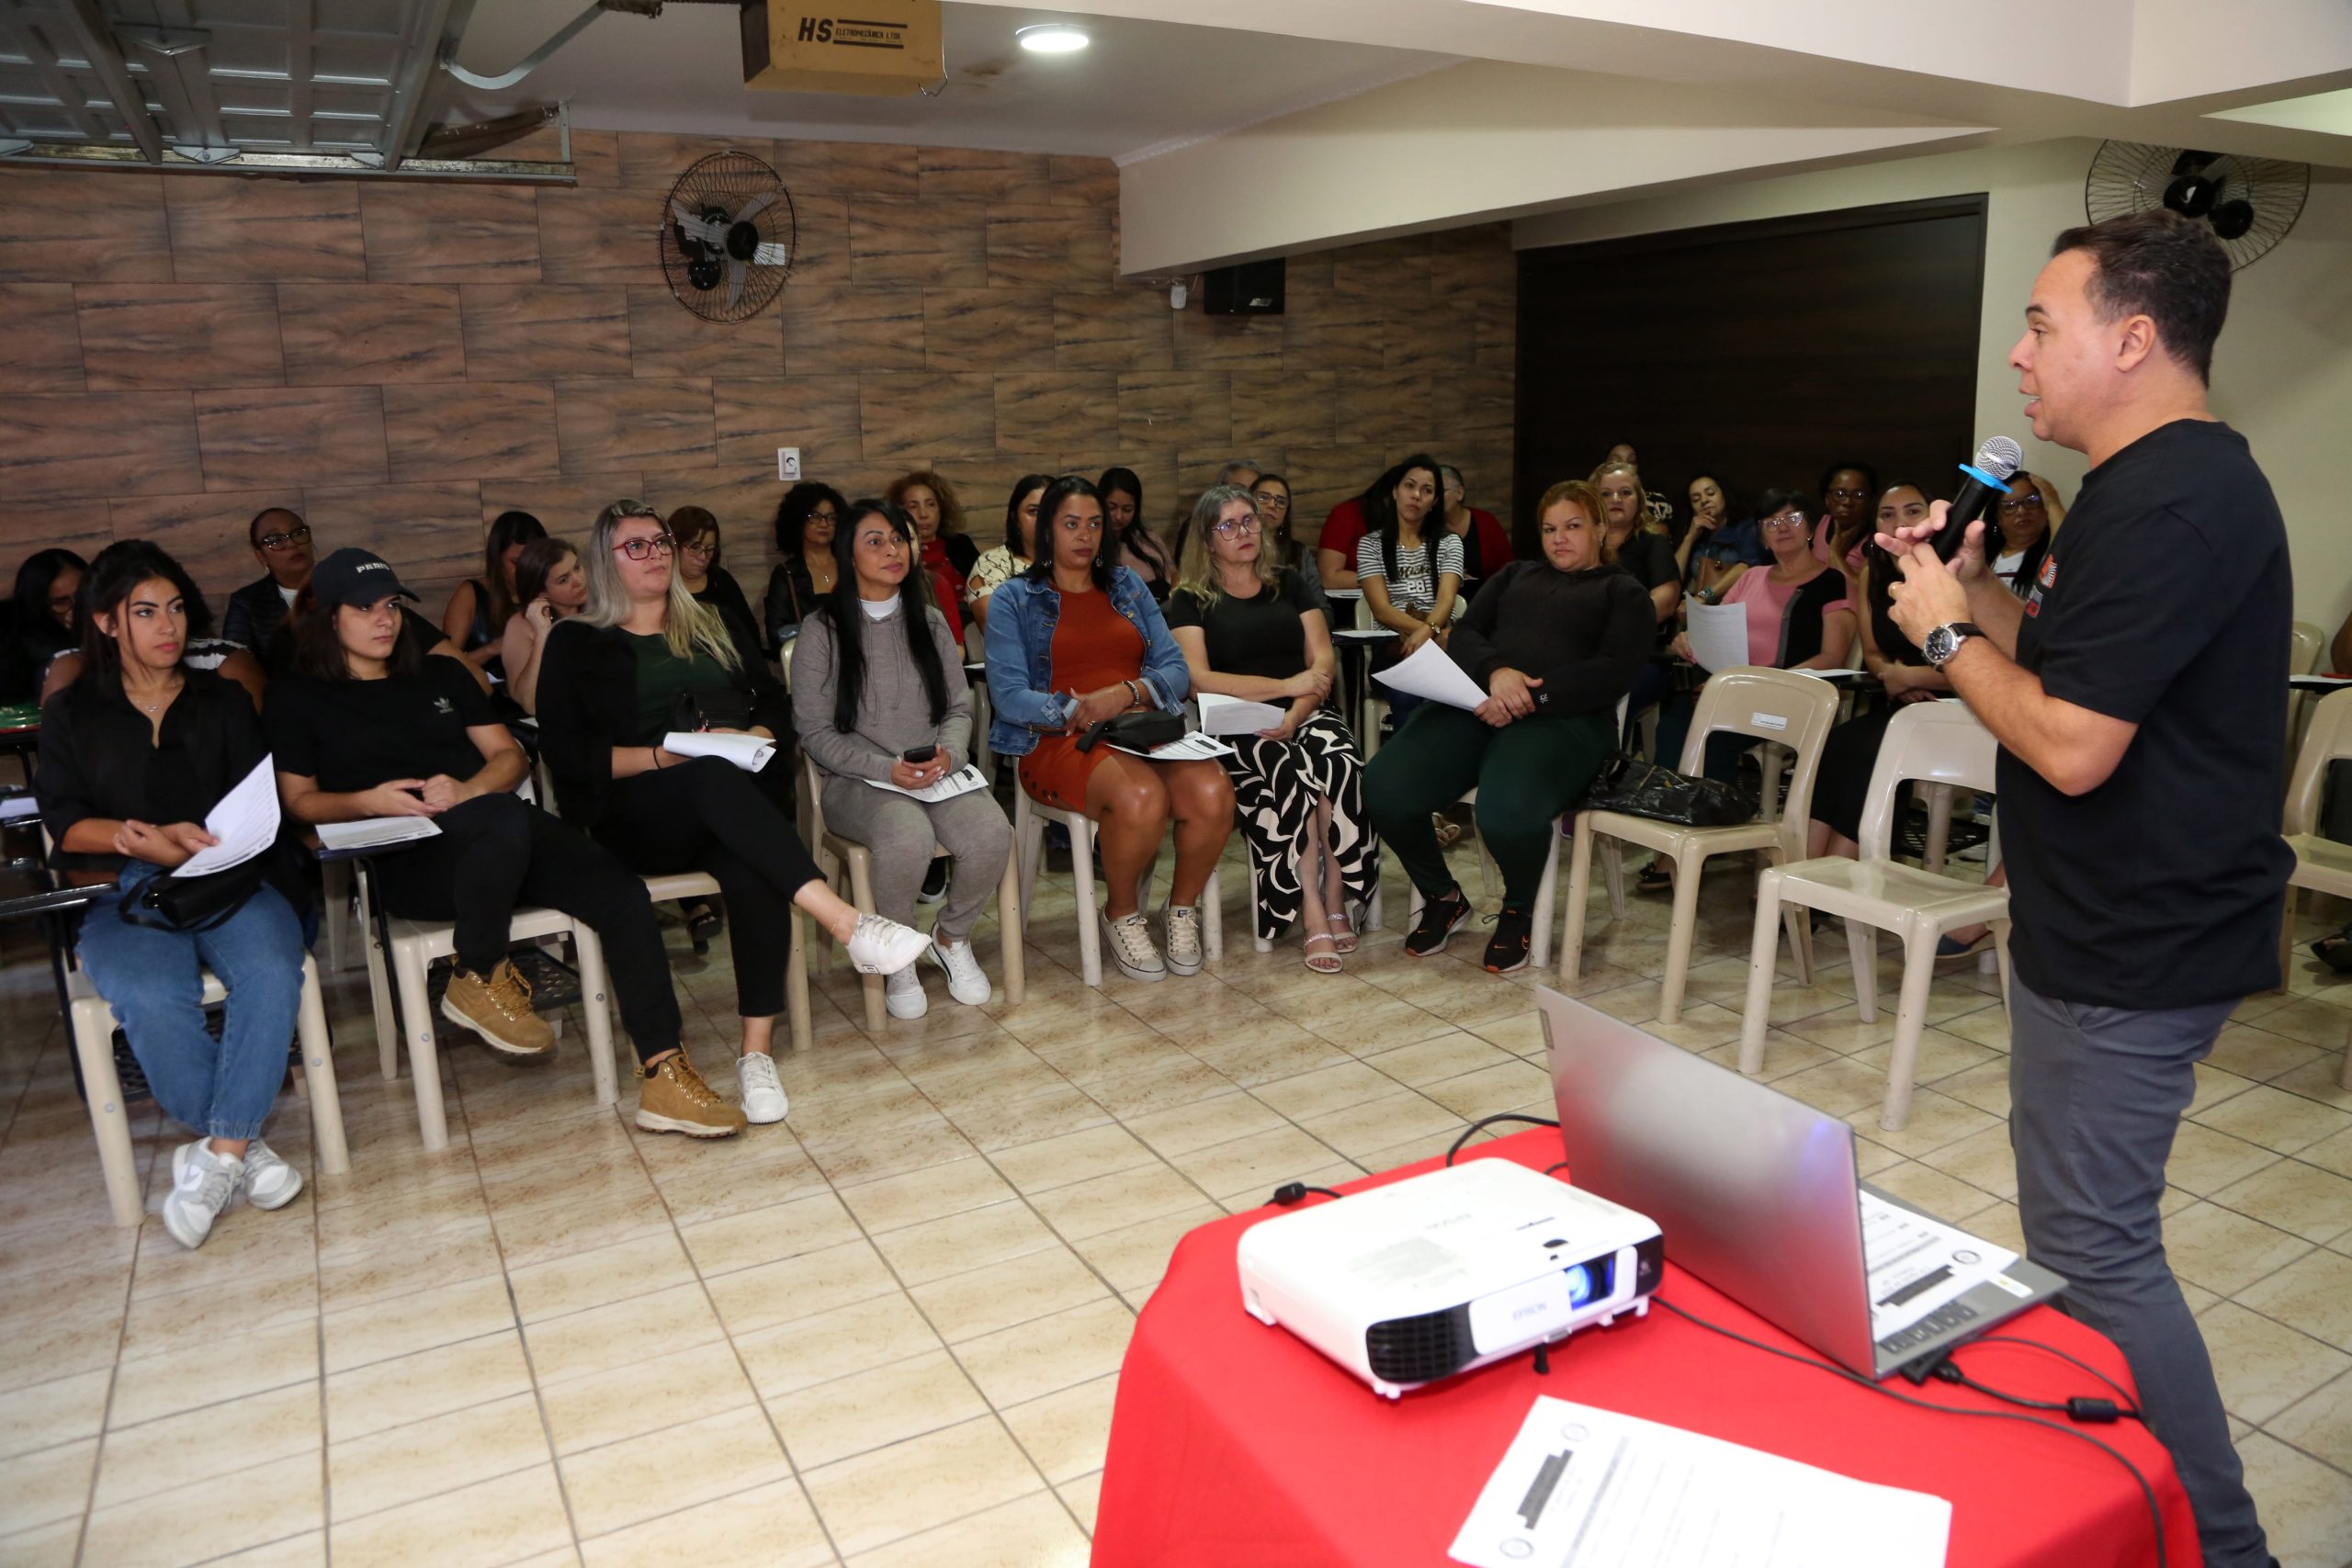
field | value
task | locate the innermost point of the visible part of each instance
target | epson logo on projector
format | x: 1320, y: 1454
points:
x: 852, y: 34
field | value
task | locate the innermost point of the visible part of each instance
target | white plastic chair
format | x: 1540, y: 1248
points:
x: 1773, y: 705
x: 2322, y: 864
x: 1930, y: 742
x: 1029, y: 819
x: 845, y: 854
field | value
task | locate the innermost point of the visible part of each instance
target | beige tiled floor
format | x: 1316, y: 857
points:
x: 888, y: 1331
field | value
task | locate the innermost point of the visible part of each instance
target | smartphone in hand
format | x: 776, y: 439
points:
x: 920, y: 754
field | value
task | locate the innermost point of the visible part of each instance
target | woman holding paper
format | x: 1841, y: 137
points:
x: 1254, y: 630
x: 1553, y: 640
x: 1076, y: 640
x: 134, y: 755
x: 880, y: 680
x: 618, y: 679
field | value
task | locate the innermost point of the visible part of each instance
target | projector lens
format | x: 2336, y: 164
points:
x: 1580, y: 1288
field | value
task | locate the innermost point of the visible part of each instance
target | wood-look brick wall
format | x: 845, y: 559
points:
x: 402, y: 361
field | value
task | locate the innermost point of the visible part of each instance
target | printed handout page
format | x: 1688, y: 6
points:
x: 1194, y: 748
x: 377, y: 832
x: 1429, y: 672
x: 1918, y: 1264
x: 1236, y: 715
x: 963, y: 781
x: 1718, y: 635
x: 244, y: 820
x: 748, y: 752
x: 1581, y: 1487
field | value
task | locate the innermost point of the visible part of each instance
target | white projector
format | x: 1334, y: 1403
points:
x: 1433, y: 1275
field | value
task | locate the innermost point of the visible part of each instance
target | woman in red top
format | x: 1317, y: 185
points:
x: 1486, y: 548
x: 948, y: 552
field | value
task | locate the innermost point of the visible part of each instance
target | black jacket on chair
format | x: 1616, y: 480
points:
x: 588, y: 705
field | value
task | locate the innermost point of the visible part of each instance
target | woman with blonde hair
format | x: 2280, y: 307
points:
x: 1253, y: 629
x: 641, y: 661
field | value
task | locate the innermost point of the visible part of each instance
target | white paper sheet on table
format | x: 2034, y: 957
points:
x: 1237, y: 715
x: 963, y: 781
x: 1587, y: 1488
x: 748, y: 752
x: 1429, y: 672
x: 1918, y: 1264
x: 244, y: 820
x: 1718, y: 635
x: 1363, y: 634
x: 377, y: 832
x: 1194, y: 748
x: 17, y: 805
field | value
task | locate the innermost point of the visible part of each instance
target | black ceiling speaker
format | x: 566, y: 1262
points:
x: 1253, y: 289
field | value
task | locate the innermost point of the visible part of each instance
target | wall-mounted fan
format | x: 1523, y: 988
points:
x: 727, y: 237
x: 2250, y: 202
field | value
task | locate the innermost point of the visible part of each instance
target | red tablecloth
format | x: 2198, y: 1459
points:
x: 1234, y: 1446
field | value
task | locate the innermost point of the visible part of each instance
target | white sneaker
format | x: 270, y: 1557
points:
x: 763, y: 1095
x: 270, y: 1182
x: 1130, y: 947
x: 202, y: 1184
x: 965, y: 981
x: 902, y: 994
x: 1184, y: 939
x: 883, y: 947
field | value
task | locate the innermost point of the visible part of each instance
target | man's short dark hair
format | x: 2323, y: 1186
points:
x: 253, y: 529
x: 2162, y: 266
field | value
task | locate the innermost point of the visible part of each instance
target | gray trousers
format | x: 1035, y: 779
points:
x: 901, y: 832
x: 2097, y: 1094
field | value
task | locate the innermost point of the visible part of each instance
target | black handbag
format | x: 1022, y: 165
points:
x: 193, y: 904
x: 728, y: 709
x: 1637, y: 788
x: 1135, y: 731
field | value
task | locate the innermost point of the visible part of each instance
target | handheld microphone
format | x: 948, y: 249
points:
x: 1984, y: 482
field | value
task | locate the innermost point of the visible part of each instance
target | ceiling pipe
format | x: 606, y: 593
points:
x: 106, y: 60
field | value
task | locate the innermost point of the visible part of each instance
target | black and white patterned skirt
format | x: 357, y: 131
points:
x: 1275, y: 783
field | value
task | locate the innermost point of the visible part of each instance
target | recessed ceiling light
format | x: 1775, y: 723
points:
x: 1052, y: 38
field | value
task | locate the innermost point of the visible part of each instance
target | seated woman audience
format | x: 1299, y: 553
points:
x: 1271, y: 492
x: 478, y: 611
x: 1486, y: 548
x: 1718, y: 546
x: 2025, y: 517
x: 712, y: 585
x: 1253, y: 629
x: 1641, y: 549
x: 805, y: 520
x: 642, y: 661
x: 948, y: 552
x: 881, y: 699
x: 1846, y: 515
x: 1556, y: 637
x: 199, y: 648
x: 1408, y: 565
x: 1841, y: 786
x: 256, y: 613
x: 550, y: 583
x: 40, y: 624
x: 1001, y: 563
x: 1133, y: 544
x: 134, y: 754
x: 1076, y: 640
x: 366, y: 727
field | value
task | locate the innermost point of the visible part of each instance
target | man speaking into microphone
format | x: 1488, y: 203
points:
x: 2139, y: 694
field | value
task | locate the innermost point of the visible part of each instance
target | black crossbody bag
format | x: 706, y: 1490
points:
x: 1638, y: 788
x: 193, y: 904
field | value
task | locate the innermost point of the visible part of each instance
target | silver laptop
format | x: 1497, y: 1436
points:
x: 1759, y: 1195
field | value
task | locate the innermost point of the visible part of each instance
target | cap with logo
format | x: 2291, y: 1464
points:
x: 356, y: 577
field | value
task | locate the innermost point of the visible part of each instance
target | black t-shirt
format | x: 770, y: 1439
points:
x: 2165, y: 601
x: 1258, y: 636
x: 352, y: 735
x: 1649, y: 557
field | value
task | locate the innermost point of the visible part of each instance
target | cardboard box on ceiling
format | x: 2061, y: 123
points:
x: 883, y: 48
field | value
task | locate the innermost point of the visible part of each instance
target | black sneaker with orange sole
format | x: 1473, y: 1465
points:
x: 1506, y: 949
x: 1439, y: 919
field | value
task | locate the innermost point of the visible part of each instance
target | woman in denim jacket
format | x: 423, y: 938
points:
x: 1075, y: 641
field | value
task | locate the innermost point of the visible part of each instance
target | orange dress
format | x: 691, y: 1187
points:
x: 1094, y: 645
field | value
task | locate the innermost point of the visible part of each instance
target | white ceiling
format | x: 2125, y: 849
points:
x: 1143, y: 86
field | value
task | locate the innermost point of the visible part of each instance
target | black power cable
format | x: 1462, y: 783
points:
x: 1484, y: 1122
x: 2147, y: 1493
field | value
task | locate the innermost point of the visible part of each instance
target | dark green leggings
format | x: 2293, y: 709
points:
x: 1526, y: 773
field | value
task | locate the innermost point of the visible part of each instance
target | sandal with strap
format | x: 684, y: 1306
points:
x: 1322, y: 963
x: 1448, y: 833
x: 1343, y: 934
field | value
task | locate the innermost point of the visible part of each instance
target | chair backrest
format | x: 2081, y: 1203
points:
x: 1929, y: 742
x: 1777, y: 706
x: 2307, y: 643
x: 2329, y: 737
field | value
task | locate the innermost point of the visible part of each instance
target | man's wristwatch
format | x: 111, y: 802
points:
x: 1945, y: 641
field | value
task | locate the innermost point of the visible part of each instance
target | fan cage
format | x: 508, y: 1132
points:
x: 723, y: 184
x: 2130, y: 176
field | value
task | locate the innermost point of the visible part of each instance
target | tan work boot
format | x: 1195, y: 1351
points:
x: 498, y: 1008
x: 675, y: 1099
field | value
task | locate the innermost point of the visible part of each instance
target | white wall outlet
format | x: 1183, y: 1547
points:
x: 787, y: 465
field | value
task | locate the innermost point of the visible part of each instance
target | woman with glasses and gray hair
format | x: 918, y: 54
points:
x: 640, y: 661
x: 1253, y: 629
